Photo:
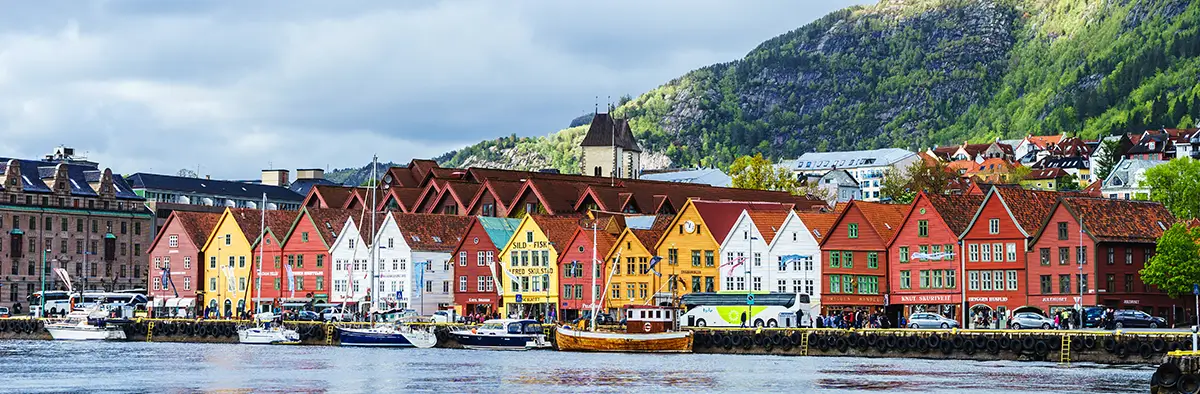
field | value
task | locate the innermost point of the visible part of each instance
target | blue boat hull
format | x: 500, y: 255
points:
x: 494, y: 342
x: 375, y: 339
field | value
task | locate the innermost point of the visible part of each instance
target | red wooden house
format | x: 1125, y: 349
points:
x: 923, y: 263
x: 995, y: 242
x: 576, y: 270
x: 476, y: 266
x: 306, y: 250
x: 1117, y: 238
x: 176, y: 250
x: 268, y: 272
x: 855, y: 256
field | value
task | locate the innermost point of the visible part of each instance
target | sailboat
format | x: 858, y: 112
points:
x: 648, y: 328
x: 396, y: 334
x: 263, y: 332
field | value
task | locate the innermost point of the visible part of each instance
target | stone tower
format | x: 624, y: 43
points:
x: 610, y: 149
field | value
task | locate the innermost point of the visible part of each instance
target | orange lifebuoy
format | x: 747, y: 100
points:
x: 647, y: 327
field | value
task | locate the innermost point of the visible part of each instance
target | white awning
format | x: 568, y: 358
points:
x: 157, y: 302
x: 181, y: 302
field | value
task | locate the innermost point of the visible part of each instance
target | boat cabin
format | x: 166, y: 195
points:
x: 511, y: 327
x: 649, y: 319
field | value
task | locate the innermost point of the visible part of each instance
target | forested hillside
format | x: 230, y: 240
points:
x: 912, y: 74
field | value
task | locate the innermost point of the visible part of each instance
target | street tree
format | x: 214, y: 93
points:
x: 1175, y: 266
x: 1176, y: 185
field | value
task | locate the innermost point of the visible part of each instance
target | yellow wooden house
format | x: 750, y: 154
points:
x: 228, y: 269
x: 529, y: 262
x: 632, y: 282
x: 690, y: 244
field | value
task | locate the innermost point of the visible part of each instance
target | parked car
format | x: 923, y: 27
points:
x: 308, y: 316
x: 930, y: 320
x: 4, y: 312
x: 1135, y: 318
x: 1031, y: 320
x: 1093, y: 317
x: 335, y: 314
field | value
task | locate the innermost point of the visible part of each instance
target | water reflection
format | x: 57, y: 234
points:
x: 43, y: 366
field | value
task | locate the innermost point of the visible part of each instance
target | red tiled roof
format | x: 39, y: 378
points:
x: 884, y: 218
x: 427, y: 232
x: 328, y: 221
x: 956, y: 210
x: 333, y: 196
x: 1046, y: 173
x: 818, y: 223
x: 1094, y: 188
x: 279, y: 223
x: 649, y: 238
x: 197, y: 224
x: 248, y: 220
x: 403, y: 177
x: 558, y: 228
x: 720, y: 216
x: 1114, y: 220
x: 768, y: 222
x: 1030, y: 207
x: 1041, y: 141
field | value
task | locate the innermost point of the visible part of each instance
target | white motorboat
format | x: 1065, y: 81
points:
x: 80, y: 325
x: 503, y: 334
x: 268, y: 335
x: 390, y: 335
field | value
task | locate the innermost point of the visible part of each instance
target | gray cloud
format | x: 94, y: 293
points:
x: 154, y: 85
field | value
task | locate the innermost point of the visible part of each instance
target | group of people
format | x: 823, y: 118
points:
x: 479, y: 317
x: 860, y: 318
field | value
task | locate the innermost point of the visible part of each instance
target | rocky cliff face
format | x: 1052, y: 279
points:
x: 916, y: 73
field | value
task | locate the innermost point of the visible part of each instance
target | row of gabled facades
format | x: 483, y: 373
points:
x: 997, y: 249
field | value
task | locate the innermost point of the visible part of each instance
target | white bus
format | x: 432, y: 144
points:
x: 56, y: 301
x: 731, y: 309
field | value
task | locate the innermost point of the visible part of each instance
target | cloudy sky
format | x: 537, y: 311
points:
x: 232, y: 87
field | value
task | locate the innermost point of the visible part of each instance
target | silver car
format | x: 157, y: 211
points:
x: 1031, y: 320
x: 930, y: 320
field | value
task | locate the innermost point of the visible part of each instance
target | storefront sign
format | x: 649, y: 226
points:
x: 851, y: 300
x: 1049, y: 300
x: 690, y: 272
x: 531, y: 271
x: 479, y: 300
x: 1132, y: 302
x: 531, y: 299
x: 534, y: 244
x: 987, y: 299
x: 925, y: 298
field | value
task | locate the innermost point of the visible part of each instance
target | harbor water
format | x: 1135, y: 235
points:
x: 55, y: 366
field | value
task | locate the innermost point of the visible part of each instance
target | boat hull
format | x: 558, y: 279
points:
x: 498, y: 342
x: 78, y: 334
x: 589, y: 341
x: 385, y: 338
x: 256, y: 336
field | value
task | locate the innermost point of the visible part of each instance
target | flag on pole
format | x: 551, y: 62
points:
x: 228, y: 276
x: 419, y: 277
x: 654, y: 262
x: 291, y: 279
x: 62, y: 274
x: 499, y: 288
x: 790, y: 258
x: 737, y: 262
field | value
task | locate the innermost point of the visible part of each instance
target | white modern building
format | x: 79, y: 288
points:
x: 772, y: 252
x: 1125, y: 181
x: 868, y: 167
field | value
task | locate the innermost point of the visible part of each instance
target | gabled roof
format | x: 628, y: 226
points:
x: 279, y: 223
x: 720, y: 216
x: 1046, y: 173
x: 1129, y: 172
x: 187, y: 185
x: 818, y: 223
x: 330, y: 196
x: 197, y: 225
x: 1113, y: 220
x: 884, y: 218
x: 1027, y: 208
x: 558, y: 228
x: 955, y: 210
x: 649, y: 237
x: 249, y: 220
x: 607, y: 131
x: 434, y: 233
x: 499, y: 230
x: 768, y: 223
x: 327, y: 221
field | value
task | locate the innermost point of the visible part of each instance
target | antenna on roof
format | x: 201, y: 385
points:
x: 596, y: 105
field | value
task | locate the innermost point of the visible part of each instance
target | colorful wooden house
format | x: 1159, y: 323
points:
x: 529, y: 265
x: 229, y: 252
x: 924, y: 267
x: 856, y: 256
x: 476, y: 269
x: 176, y: 251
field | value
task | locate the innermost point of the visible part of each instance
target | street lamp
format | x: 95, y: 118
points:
x: 546, y: 282
x: 42, y: 309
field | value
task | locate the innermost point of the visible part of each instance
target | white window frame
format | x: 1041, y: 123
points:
x: 1011, y: 248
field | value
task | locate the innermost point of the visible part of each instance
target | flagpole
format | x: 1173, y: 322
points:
x: 595, y: 272
x: 256, y: 282
x: 374, y: 245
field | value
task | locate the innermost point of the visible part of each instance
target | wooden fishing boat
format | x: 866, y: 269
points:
x: 648, y: 329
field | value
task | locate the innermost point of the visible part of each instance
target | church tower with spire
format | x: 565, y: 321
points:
x: 610, y: 149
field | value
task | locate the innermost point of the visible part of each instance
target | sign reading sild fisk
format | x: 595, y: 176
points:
x: 527, y: 245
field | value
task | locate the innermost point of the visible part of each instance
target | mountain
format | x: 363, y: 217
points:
x: 357, y: 176
x: 913, y: 74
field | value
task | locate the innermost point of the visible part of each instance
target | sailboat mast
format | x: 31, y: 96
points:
x: 374, y: 243
x: 595, y: 272
x: 256, y: 282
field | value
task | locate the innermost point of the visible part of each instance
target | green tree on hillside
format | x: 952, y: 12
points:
x: 1176, y: 185
x: 902, y: 185
x: 1110, y: 155
x: 1175, y: 266
x: 755, y: 172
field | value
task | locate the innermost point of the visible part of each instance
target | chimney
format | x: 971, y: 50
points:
x: 310, y: 173
x: 275, y: 178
